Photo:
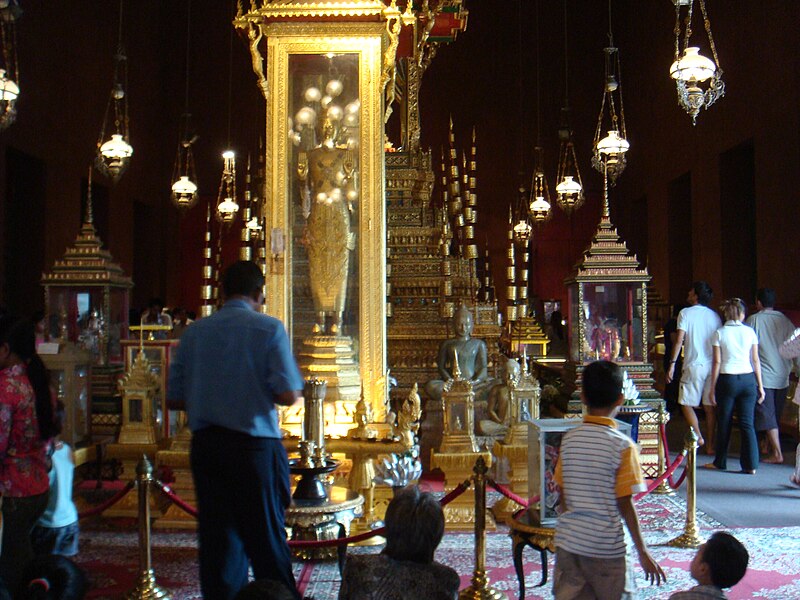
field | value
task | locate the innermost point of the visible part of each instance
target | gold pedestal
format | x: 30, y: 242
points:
x: 332, y: 359
x: 526, y: 334
x: 457, y: 467
x: 517, y: 455
x: 130, y: 455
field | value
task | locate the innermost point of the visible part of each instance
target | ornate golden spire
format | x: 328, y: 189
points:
x: 206, y: 289
x: 511, y: 289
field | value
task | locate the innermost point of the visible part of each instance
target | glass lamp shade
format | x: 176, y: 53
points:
x: 184, y: 192
x: 522, y: 231
x: 568, y: 187
x: 116, y: 148
x: 253, y: 224
x: 540, y: 210
x: 9, y: 90
x: 613, y: 144
x: 227, y: 209
x: 692, y: 66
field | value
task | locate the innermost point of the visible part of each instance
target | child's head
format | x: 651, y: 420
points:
x: 602, y: 385
x: 54, y: 577
x: 721, y: 561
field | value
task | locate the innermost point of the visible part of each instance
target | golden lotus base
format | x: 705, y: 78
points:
x: 459, y: 514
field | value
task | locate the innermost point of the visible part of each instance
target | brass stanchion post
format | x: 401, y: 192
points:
x: 480, y: 588
x: 664, y: 487
x: 690, y: 538
x: 146, y: 587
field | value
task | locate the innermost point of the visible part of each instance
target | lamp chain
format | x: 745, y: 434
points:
x: 707, y: 24
x: 188, y: 46
x: 688, y: 25
x: 566, y: 60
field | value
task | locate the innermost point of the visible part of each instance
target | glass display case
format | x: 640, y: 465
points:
x: 87, y: 299
x: 607, y: 317
x: 327, y: 72
x: 607, y: 313
x: 70, y: 375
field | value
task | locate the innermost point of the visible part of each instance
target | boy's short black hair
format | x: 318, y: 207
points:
x: 726, y: 558
x: 243, y: 278
x: 602, y: 384
x: 767, y: 297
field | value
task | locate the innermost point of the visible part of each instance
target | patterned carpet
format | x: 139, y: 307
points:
x: 109, y: 554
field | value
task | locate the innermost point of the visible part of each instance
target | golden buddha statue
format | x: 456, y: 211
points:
x: 498, y: 408
x: 329, y: 186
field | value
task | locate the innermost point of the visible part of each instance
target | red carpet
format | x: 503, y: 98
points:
x: 110, y: 556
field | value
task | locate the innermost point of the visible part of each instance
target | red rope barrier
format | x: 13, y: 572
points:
x: 96, y: 510
x: 661, y: 478
x: 174, y: 498
x: 673, y: 484
x: 509, y: 494
x: 455, y: 493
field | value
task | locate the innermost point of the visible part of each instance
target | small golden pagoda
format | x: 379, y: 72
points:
x: 607, y: 320
x: 87, y: 298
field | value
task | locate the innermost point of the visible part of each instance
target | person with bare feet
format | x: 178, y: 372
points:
x: 696, y: 325
x: 772, y: 328
x: 736, y: 385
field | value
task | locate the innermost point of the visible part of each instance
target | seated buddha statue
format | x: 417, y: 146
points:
x: 471, y: 355
x: 498, y: 409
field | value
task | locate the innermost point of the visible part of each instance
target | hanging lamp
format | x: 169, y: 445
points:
x: 569, y: 190
x: 609, y: 152
x: 690, y: 69
x: 227, y: 207
x: 540, y: 207
x: 522, y: 229
x: 9, y: 68
x: 184, y: 174
x: 114, y: 150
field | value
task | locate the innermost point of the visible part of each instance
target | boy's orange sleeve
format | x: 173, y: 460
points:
x: 629, y: 475
x: 557, y: 474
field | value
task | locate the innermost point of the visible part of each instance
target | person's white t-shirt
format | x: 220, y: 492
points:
x: 735, y: 341
x: 699, y: 323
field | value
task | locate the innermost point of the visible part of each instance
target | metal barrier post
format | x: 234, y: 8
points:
x: 146, y: 587
x: 690, y: 538
x: 480, y: 588
x: 664, y: 487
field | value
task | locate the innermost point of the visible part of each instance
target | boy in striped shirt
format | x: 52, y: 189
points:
x: 598, y: 472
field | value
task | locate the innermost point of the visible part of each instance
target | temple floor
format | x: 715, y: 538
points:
x: 109, y: 551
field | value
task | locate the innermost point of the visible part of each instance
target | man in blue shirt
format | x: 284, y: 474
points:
x: 230, y: 371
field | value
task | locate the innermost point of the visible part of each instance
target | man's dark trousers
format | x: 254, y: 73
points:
x: 242, y: 486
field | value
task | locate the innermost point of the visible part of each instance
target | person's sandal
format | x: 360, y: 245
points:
x: 711, y: 466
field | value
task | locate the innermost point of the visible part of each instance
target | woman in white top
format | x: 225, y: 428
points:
x: 735, y: 383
